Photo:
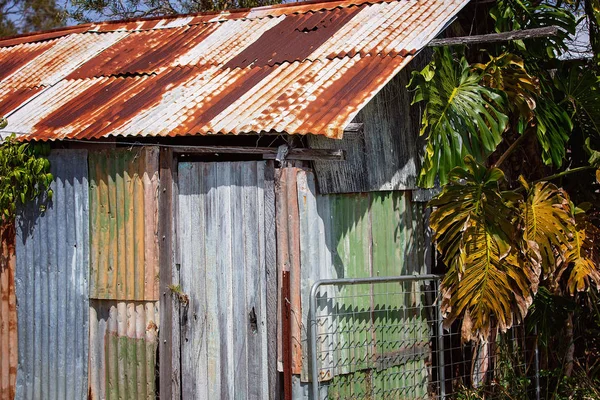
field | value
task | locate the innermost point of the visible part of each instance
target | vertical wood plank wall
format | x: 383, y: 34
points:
x: 223, y: 277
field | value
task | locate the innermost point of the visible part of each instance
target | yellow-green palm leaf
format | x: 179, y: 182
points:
x: 476, y: 231
x: 581, y: 261
x: 547, y: 222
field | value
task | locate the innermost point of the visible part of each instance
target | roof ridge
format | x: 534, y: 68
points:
x: 300, y: 7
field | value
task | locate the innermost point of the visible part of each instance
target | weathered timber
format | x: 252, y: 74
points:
x: 381, y: 145
x: 496, y: 37
x: 271, y: 281
x: 165, y: 228
x: 268, y: 153
x: 287, y: 339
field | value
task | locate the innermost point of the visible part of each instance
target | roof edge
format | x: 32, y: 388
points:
x: 237, y: 13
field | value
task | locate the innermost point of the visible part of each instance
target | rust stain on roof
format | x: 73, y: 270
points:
x: 297, y: 69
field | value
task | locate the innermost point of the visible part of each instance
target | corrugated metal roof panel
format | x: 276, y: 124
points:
x: 51, y: 282
x: 54, y: 64
x: 298, y: 69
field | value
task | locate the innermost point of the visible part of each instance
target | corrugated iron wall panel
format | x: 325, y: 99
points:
x: 51, y: 280
x: 8, y: 315
x: 354, y: 236
x: 123, y: 273
x: 123, y: 213
x: 222, y: 248
x: 123, y: 343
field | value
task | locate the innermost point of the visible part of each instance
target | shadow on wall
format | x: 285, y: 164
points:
x: 386, y: 154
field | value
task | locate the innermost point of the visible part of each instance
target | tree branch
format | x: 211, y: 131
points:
x: 565, y: 173
x: 496, y: 37
x: 512, y: 148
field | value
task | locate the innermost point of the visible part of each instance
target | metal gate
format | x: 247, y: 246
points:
x: 382, y: 338
x: 371, y: 337
x: 223, y: 311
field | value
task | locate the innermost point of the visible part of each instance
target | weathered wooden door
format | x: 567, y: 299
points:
x: 224, y: 223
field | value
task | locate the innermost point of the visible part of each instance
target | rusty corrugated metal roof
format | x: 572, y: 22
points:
x: 298, y: 69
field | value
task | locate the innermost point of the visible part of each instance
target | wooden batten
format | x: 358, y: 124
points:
x: 268, y: 153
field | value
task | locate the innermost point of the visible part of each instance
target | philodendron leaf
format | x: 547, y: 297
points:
x: 547, y: 223
x: 580, y: 263
x: 553, y: 126
x: 475, y: 230
x: 461, y: 117
x: 581, y: 88
x: 507, y: 73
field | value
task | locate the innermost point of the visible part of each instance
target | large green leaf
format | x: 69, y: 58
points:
x: 512, y: 15
x: 475, y: 229
x: 461, y: 116
x: 507, y: 73
x: 581, y: 87
x: 553, y: 127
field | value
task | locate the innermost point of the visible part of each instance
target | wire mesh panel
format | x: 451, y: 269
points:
x: 373, y: 338
x: 382, y: 338
x: 504, y: 366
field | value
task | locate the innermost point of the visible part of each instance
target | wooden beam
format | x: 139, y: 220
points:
x: 268, y: 153
x: 496, y: 37
x: 165, y: 243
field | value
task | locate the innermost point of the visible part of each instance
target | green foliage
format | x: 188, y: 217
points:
x: 553, y: 127
x: 474, y: 226
x: 21, y: 16
x: 581, y: 89
x: 512, y: 15
x: 461, y: 116
x: 24, y: 175
x: 117, y: 9
x: 507, y: 73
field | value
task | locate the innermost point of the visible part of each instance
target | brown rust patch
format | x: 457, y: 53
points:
x: 14, y: 58
x: 143, y: 52
x: 11, y: 100
x: 111, y: 103
x: 229, y: 95
x: 294, y: 38
x: 8, y: 315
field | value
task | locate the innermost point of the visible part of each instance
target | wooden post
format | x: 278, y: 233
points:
x: 286, y: 307
x: 165, y: 229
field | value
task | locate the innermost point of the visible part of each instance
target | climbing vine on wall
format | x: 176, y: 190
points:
x: 24, y: 175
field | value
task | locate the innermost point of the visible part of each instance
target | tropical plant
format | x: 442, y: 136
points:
x: 24, y: 176
x: 503, y: 229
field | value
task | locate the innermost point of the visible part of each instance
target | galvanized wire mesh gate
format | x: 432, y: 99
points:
x: 382, y: 338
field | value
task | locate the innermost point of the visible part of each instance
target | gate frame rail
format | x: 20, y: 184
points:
x: 357, y: 281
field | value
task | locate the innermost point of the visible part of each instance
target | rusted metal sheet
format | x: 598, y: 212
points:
x: 123, y: 342
x: 11, y: 99
x: 297, y: 69
x: 288, y: 260
x: 123, y: 218
x: 223, y: 293
x: 123, y: 273
x: 8, y: 315
x: 54, y: 64
x: 51, y: 282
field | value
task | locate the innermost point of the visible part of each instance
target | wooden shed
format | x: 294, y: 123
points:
x: 208, y: 170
